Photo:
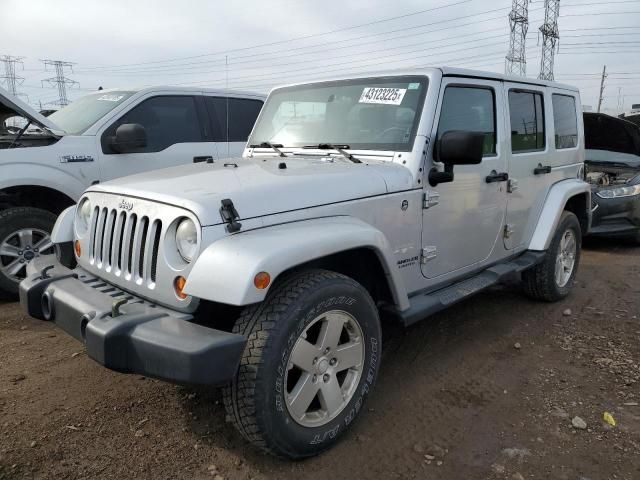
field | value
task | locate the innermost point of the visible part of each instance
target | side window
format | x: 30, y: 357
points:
x: 565, y: 121
x: 217, y: 107
x: 242, y: 116
x: 470, y: 109
x: 526, y: 111
x: 167, y: 120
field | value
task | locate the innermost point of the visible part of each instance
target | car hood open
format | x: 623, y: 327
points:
x: 264, y: 186
x: 10, y: 104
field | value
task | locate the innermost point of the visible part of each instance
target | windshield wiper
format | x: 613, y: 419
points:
x: 339, y: 148
x: 274, y: 146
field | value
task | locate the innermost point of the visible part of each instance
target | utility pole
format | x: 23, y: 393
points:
x: 601, y: 97
x: 60, y: 80
x: 516, y: 60
x: 550, y: 36
x: 10, y: 79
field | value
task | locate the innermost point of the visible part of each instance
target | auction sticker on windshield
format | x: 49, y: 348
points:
x: 111, y: 98
x: 385, y: 95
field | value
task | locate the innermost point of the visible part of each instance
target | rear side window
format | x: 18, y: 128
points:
x: 242, y: 116
x: 470, y: 109
x: 565, y: 121
x: 167, y: 120
x: 237, y: 126
x: 526, y: 112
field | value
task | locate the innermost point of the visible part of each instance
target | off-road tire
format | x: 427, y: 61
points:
x: 255, y: 401
x: 12, y: 220
x: 539, y: 282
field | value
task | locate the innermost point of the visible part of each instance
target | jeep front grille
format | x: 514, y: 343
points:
x: 125, y: 244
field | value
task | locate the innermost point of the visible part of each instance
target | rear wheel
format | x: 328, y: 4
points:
x: 311, y: 360
x: 25, y: 233
x: 552, y: 279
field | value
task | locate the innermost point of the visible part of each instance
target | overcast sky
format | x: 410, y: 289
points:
x: 257, y: 44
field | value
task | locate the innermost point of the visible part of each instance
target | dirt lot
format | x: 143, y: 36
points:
x: 486, y: 390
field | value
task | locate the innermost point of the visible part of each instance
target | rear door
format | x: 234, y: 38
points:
x: 177, y: 130
x: 461, y: 231
x: 232, y: 120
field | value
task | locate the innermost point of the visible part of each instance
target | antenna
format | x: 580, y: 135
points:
x: 10, y: 79
x: 601, y: 96
x: 550, y: 36
x: 60, y: 80
x: 516, y: 61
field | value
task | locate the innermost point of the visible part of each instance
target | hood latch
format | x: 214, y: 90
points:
x: 229, y: 215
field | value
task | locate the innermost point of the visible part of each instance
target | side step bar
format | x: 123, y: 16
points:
x: 423, y: 305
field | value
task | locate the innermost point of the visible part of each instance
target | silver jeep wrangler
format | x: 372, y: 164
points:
x: 400, y: 194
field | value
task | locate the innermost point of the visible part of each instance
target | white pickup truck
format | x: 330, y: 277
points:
x: 46, y: 165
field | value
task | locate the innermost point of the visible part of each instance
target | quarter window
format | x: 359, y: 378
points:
x: 565, y: 121
x: 526, y: 111
x: 167, y: 120
x: 470, y: 109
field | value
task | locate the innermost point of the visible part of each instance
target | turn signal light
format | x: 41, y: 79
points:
x: 178, y: 285
x: 262, y: 280
x: 77, y: 248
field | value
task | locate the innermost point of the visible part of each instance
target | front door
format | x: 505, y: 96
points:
x: 461, y: 231
x: 177, y: 133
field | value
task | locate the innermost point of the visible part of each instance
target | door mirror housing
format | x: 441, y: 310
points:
x: 129, y: 137
x: 456, y: 147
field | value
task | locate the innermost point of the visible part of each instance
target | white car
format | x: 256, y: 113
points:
x: 405, y: 192
x: 47, y: 162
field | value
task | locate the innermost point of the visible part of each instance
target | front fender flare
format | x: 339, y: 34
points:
x: 63, y: 228
x: 557, y: 198
x: 225, y: 270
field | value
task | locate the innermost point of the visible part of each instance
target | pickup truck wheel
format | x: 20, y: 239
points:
x: 24, y: 235
x: 552, y: 279
x: 311, y: 360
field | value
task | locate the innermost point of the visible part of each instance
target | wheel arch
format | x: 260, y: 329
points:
x: 568, y: 195
x: 225, y: 270
x: 37, y: 196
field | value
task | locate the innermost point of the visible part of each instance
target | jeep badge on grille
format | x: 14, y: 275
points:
x: 128, y: 206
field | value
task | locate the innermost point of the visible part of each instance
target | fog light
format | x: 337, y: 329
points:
x: 77, y: 248
x: 262, y: 280
x: 178, y: 285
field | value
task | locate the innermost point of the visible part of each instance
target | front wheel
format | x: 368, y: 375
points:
x: 24, y: 235
x: 552, y: 279
x: 310, y: 362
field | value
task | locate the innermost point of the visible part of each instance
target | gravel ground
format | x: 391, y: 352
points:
x: 495, y: 388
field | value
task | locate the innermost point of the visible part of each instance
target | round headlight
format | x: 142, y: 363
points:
x: 83, y: 216
x: 187, y: 239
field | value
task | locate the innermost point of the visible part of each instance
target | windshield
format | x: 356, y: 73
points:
x: 365, y: 114
x: 76, y: 117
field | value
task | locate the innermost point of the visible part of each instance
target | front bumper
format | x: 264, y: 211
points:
x: 133, y: 337
x: 615, y: 216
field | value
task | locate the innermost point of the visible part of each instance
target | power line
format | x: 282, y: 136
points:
x: 516, y: 60
x: 60, y: 81
x: 10, y: 79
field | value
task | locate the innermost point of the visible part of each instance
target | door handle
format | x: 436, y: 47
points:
x: 496, y: 177
x: 541, y: 169
x: 205, y: 158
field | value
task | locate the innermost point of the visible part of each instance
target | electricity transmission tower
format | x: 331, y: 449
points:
x: 60, y: 80
x: 10, y: 79
x: 550, y: 36
x: 516, y: 61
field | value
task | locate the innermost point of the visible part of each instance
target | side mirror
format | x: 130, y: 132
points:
x: 456, y: 147
x: 129, y: 138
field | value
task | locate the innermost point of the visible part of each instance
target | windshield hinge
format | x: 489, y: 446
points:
x: 430, y: 199
x: 229, y: 215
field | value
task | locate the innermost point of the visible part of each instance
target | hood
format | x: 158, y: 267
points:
x: 264, y: 186
x: 10, y: 104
